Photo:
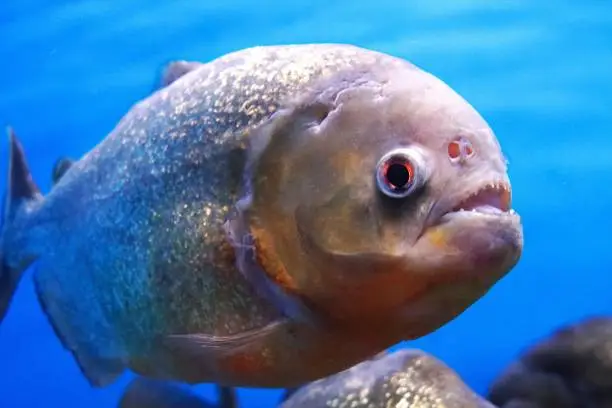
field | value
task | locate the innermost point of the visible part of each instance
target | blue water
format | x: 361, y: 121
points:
x: 539, y: 71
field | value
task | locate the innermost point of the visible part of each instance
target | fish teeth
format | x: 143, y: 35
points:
x: 493, y: 186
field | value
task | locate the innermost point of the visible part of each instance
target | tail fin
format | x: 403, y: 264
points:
x: 20, y: 190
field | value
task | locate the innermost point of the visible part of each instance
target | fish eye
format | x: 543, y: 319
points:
x: 398, y: 173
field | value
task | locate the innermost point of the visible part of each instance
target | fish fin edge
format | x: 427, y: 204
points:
x: 20, y: 191
x: 219, y: 346
x: 98, y: 371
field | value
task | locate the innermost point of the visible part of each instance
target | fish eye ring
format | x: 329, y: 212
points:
x: 400, y: 171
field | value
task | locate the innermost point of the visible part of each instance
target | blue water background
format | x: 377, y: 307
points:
x: 539, y: 71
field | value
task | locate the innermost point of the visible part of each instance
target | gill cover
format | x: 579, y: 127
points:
x: 304, y: 227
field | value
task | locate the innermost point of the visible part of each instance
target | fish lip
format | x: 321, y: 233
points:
x: 490, y: 199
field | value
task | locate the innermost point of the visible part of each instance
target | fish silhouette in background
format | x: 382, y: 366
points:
x: 571, y: 368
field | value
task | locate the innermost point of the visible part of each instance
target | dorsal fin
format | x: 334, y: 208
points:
x: 60, y: 168
x: 176, y: 69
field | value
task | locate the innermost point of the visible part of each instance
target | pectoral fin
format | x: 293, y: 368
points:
x: 208, y: 346
x: 241, y: 359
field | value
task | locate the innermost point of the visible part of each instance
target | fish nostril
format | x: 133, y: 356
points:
x: 460, y: 149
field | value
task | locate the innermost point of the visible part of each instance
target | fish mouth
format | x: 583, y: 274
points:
x: 491, y: 198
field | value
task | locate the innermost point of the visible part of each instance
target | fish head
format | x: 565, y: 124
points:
x: 385, y: 199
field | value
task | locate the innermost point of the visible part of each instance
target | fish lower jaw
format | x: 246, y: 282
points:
x: 491, y: 198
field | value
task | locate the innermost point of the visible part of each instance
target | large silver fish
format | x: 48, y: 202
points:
x: 266, y: 219
x: 407, y: 378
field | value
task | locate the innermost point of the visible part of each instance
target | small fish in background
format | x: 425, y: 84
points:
x: 172, y: 71
x: 144, y: 392
x: 407, y: 378
x: 266, y: 219
x: 572, y: 368
x: 60, y: 168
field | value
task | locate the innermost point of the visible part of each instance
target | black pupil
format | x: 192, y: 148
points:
x: 398, y: 175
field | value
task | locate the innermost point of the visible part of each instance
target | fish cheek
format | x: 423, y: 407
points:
x: 344, y: 224
x: 350, y: 275
x: 333, y: 227
x: 357, y: 287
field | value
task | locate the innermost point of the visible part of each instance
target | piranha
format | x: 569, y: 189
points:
x: 144, y: 392
x: 407, y: 378
x: 266, y: 219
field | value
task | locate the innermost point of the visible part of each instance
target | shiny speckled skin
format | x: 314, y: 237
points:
x: 407, y: 378
x: 141, y: 246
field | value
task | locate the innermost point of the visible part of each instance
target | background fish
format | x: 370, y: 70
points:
x: 148, y: 393
x: 570, y: 369
x: 60, y: 167
x: 406, y: 378
x: 266, y: 219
